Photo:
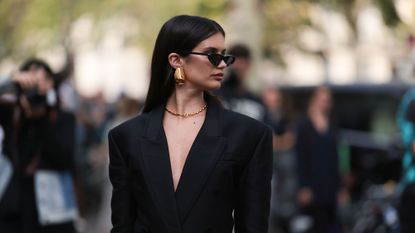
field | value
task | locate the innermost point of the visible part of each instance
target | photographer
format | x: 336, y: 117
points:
x: 39, y: 142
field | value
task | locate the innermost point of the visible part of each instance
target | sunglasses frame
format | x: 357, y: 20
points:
x: 212, y: 60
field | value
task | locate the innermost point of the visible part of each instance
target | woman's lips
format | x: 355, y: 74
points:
x: 218, y: 76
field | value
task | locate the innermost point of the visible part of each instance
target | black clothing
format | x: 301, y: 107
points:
x: 228, y: 169
x: 51, y: 140
x: 317, y: 161
x: 406, y: 209
x: 317, y: 164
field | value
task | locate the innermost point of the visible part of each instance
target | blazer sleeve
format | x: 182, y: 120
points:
x: 252, y: 209
x: 122, y: 202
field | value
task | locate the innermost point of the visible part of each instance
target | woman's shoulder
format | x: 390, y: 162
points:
x: 130, y: 126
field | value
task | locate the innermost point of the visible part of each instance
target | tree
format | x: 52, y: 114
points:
x: 283, y: 18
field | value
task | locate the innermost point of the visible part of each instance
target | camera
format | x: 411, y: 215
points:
x: 35, y: 99
x: 10, y: 92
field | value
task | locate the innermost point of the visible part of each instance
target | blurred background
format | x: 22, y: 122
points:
x: 363, y: 51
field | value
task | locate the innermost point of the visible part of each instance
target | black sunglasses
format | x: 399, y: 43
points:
x: 215, y: 58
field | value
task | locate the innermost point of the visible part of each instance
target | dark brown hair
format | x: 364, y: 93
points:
x: 180, y: 33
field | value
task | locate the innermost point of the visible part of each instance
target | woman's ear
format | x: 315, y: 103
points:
x: 175, y: 60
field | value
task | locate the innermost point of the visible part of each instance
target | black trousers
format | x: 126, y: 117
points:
x: 324, y: 218
x: 407, y: 208
x: 24, y: 217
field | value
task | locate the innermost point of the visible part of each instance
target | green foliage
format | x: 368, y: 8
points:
x: 283, y: 18
x: 387, y: 7
x: 27, y: 26
x: 390, y: 16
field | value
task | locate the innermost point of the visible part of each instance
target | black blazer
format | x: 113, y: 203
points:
x: 225, y: 180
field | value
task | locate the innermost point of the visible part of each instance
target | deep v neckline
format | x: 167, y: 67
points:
x: 188, y: 156
x: 203, y: 155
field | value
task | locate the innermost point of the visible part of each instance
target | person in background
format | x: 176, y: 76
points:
x: 125, y: 108
x: 234, y: 92
x: 283, y: 203
x: 317, y: 163
x: 280, y: 117
x: 40, y: 138
x: 91, y: 155
x: 406, y: 124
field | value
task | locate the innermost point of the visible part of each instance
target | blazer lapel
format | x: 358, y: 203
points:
x: 202, y: 158
x: 157, y: 169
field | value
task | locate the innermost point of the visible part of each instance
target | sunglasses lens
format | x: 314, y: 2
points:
x: 215, y: 59
x: 229, y: 60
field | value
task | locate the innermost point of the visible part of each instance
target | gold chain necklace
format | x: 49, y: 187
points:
x: 185, y: 115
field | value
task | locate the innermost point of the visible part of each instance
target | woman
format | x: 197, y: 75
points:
x: 317, y: 163
x: 185, y: 164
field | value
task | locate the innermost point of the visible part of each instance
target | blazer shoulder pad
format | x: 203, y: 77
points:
x: 127, y: 126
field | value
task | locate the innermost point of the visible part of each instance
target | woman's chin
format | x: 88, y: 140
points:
x: 214, y: 86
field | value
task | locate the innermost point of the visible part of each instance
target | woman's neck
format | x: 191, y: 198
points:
x: 185, y: 101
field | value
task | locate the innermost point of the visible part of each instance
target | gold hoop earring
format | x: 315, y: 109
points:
x: 179, y: 76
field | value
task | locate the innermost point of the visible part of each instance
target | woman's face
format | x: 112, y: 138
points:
x: 272, y: 98
x: 199, y: 72
x: 322, y: 100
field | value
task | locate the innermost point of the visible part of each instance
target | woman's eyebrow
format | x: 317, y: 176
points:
x: 213, y: 49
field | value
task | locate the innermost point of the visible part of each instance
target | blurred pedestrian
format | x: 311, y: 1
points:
x: 406, y: 123
x: 126, y: 108
x: 186, y: 164
x: 234, y: 92
x: 317, y: 163
x: 40, y: 143
x: 283, y: 202
x: 91, y: 154
x: 280, y: 117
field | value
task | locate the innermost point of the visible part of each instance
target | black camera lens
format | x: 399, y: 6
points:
x: 35, y: 99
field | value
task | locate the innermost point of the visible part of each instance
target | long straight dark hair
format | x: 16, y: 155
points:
x: 180, y: 33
